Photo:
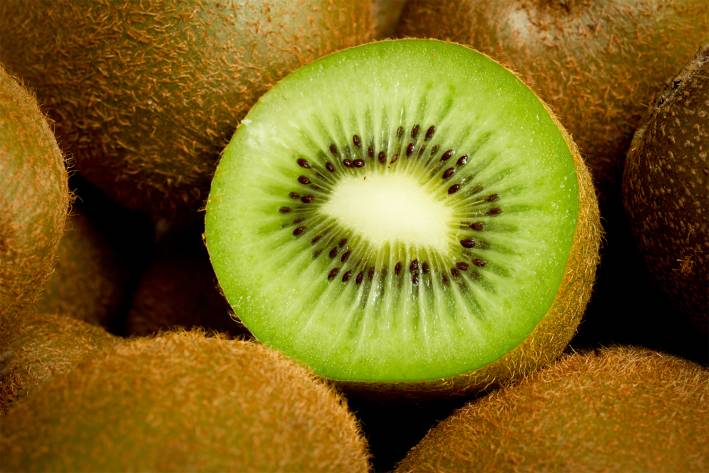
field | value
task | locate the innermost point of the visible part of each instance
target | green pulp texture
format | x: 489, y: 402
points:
x: 517, y: 200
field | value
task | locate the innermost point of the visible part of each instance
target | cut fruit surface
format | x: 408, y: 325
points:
x: 397, y: 212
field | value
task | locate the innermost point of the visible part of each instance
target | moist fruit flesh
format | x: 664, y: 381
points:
x: 400, y: 212
x: 145, y: 94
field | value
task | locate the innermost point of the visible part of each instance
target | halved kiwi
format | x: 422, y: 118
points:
x: 406, y: 214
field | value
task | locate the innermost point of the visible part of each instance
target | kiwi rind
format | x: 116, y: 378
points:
x: 664, y: 190
x: 88, y: 280
x: 564, y: 311
x: 34, y: 197
x: 184, y: 402
x: 386, y: 16
x: 596, y: 62
x: 145, y: 95
x: 618, y: 409
x: 36, y: 347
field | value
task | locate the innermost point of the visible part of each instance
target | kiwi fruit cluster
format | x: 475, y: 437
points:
x: 289, y: 248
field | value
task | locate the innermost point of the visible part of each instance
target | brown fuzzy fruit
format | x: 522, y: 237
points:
x: 386, y: 16
x: 36, y: 347
x: 34, y: 197
x: 146, y: 94
x: 617, y: 410
x: 665, y: 189
x: 595, y: 62
x: 88, y: 280
x: 185, y: 402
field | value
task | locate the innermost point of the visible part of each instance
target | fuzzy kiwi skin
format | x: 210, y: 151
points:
x: 145, y: 95
x: 665, y: 193
x: 552, y: 334
x: 36, y: 347
x: 88, y: 279
x: 34, y: 197
x: 386, y: 16
x: 185, y: 402
x: 179, y: 290
x: 595, y: 62
x: 619, y: 409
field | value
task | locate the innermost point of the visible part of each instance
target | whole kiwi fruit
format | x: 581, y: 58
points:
x: 665, y: 190
x: 184, y: 402
x: 595, y: 62
x: 146, y: 94
x: 619, y: 409
x: 89, y: 278
x: 427, y: 228
x: 36, y: 347
x: 34, y: 197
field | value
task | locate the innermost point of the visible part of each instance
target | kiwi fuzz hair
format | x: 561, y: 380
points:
x: 620, y: 409
x: 145, y: 95
x: 88, y: 279
x: 34, y: 197
x: 596, y: 62
x: 435, y: 293
x: 36, y: 347
x: 183, y: 401
x: 665, y: 192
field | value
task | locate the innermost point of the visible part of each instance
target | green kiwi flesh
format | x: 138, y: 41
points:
x: 405, y: 212
x: 619, y: 409
x: 665, y: 189
x: 36, y: 347
x: 88, y: 280
x: 595, y: 62
x: 184, y: 402
x: 34, y: 197
x: 146, y: 94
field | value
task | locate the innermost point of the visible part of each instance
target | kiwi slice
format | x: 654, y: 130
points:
x: 404, y: 213
x: 619, y: 409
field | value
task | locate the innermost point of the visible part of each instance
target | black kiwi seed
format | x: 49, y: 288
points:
x: 494, y: 211
x: 370, y: 273
x: 333, y: 252
x: 400, y: 132
x: 479, y: 262
x: 447, y: 155
x: 434, y: 150
x: 342, y: 242
x: 360, y: 277
x: 414, y: 266
x: 356, y: 141
x: 394, y: 158
x: 298, y: 231
x: 468, y: 243
x: 382, y: 157
x: 306, y: 199
x: 303, y: 179
x: 410, y: 149
x: 347, y: 163
x: 448, y: 173
x: 477, y: 226
x: 284, y: 210
x: 415, y: 131
x: 455, y: 273
x: 333, y: 272
x: 397, y: 268
x: 316, y: 239
x: 358, y: 163
x: 429, y: 133
x: 461, y: 265
x: 330, y: 167
x: 454, y: 188
x: 425, y: 267
x: 492, y: 197
x: 463, y: 160
x: 294, y: 195
x: 303, y: 163
x: 346, y: 276
x: 370, y: 151
x: 333, y: 149
x: 345, y: 256
x: 415, y: 279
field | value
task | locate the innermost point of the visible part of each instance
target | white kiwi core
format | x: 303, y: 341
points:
x: 389, y: 208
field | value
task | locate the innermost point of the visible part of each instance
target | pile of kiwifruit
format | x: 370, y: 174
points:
x: 354, y: 235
